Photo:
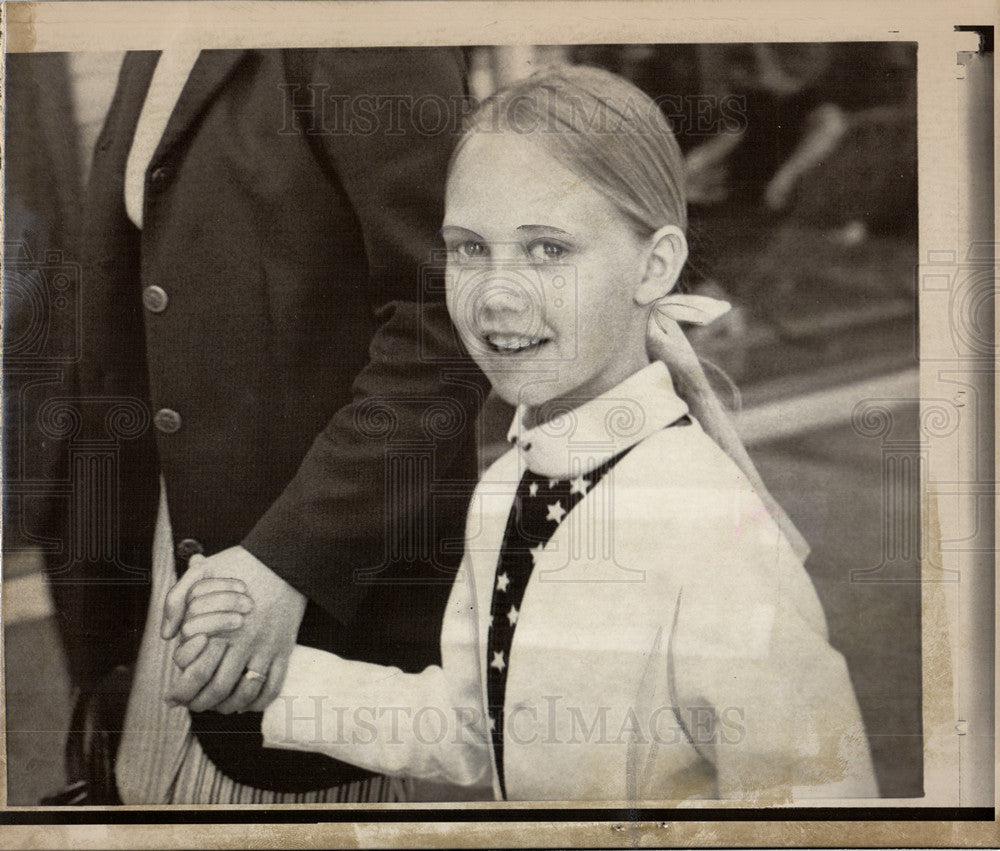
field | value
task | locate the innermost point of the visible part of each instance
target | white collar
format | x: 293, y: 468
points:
x: 578, y: 440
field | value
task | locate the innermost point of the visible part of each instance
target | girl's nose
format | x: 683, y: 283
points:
x: 495, y: 297
x: 505, y: 295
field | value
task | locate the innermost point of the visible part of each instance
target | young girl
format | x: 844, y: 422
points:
x: 630, y: 621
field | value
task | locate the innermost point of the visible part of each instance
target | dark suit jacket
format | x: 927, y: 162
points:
x: 304, y: 392
x: 42, y: 195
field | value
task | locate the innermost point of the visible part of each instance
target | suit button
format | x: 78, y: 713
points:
x: 167, y: 421
x: 159, y: 177
x: 155, y: 299
x: 189, y: 547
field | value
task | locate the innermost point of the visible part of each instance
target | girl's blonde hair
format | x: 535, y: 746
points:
x: 602, y: 128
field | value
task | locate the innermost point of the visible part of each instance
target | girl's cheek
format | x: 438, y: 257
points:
x: 559, y: 286
x: 560, y: 303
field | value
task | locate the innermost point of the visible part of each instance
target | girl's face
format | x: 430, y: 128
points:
x: 541, y: 274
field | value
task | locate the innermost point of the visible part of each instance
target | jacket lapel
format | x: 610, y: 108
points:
x: 210, y: 71
x: 123, y: 114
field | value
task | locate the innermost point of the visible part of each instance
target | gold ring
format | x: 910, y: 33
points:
x: 256, y: 677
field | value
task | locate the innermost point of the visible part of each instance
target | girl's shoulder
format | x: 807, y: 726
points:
x: 679, y: 486
x: 683, y: 457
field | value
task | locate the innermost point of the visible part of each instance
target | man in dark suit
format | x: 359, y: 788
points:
x: 265, y: 315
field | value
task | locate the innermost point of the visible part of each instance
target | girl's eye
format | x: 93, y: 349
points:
x: 471, y: 250
x: 546, y: 251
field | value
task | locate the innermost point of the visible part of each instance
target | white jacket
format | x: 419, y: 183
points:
x: 670, y: 645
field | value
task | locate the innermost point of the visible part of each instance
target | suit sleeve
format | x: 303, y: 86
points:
x: 351, y: 505
x: 766, y: 699
x: 428, y: 725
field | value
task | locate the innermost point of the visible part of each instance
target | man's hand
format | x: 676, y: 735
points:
x: 217, y: 677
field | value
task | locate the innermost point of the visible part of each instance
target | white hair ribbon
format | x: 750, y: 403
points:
x: 693, y: 309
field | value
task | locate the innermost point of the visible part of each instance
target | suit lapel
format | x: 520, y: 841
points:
x: 130, y: 93
x: 210, y: 71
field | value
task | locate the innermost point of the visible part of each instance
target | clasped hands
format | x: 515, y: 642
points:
x: 238, y: 622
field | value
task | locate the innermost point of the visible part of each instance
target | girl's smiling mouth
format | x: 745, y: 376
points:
x: 507, y: 343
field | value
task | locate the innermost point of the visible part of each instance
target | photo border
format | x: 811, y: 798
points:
x: 959, y: 635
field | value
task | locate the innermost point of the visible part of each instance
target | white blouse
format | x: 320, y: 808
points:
x: 669, y: 646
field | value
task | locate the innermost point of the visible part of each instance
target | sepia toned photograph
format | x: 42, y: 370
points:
x: 516, y: 428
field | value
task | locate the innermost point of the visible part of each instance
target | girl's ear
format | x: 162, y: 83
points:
x: 667, y: 255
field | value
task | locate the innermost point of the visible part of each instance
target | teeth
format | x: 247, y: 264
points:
x: 512, y: 342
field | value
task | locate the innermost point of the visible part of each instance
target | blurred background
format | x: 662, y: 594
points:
x: 802, y: 173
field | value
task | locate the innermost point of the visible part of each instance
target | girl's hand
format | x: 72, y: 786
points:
x: 187, y: 651
x: 214, y: 606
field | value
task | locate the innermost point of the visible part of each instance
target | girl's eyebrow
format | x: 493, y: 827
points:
x: 458, y: 231
x: 455, y: 230
x: 544, y: 228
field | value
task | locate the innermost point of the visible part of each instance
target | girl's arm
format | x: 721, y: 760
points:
x: 423, y: 725
x: 749, y: 650
x: 429, y: 725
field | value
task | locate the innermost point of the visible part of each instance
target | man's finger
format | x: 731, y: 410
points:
x: 211, y: 623
x: 192, y: 681
x: 224, y: 680
x: 272, y: 688
x: 176, y: 602
x: 251, y: 684
x: 218, y: 601
x: 214, y: 585
x: 186, y: 652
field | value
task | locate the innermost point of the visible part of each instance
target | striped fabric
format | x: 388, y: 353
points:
x: 200, y: 782
x: 160, y: 761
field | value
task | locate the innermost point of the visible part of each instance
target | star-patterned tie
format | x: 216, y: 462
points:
x: 539, y: 507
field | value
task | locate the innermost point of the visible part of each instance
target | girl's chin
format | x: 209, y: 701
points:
x: 533, y: 396
x: 519, y: 393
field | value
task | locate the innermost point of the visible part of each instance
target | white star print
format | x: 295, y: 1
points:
x: 533, y: 489
x: 512, y: 615
x: 579, y: 485
x: 498, y: 661
x: 503, y: 582
x: 556, y: 511
x: 553, y: 483
x: 536, y: 554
